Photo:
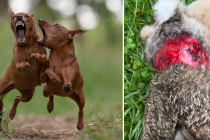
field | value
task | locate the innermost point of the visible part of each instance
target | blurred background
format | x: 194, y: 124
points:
x: 98, y: 51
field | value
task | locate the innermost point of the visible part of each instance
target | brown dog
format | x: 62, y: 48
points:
x: 63, y: 62
x: 23, y: 73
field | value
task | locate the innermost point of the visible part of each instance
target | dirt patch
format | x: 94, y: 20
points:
x: 59, y: 127
x: 55, y: 127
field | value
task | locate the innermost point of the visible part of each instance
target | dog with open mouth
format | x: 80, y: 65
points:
x: 23, y: 73
x: 63, y: 62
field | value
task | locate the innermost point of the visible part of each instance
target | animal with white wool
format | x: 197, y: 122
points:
x: 178, y: 47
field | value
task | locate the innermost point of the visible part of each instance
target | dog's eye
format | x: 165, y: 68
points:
x: 56, y: 26
x: 13, y: 18
x: 26, y: 16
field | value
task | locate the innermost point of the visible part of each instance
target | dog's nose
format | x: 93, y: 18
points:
x: 19, y: 17
x: 40, y: 20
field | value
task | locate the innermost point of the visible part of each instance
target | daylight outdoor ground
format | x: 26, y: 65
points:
x: 99, y: 54
x: 137, y: 72
x: 60, y: 127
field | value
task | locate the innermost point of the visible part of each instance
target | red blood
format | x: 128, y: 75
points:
x: 182, y: 49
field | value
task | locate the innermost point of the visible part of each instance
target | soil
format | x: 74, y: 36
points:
x: 45, y: 127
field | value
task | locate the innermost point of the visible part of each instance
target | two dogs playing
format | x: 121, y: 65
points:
x: 29, y: 66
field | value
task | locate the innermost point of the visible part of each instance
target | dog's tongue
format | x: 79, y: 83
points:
x: 21, y: 35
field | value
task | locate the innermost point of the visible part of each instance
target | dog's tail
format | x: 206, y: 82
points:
x: 166, y: 9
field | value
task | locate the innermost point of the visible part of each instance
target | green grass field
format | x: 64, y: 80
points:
x: 100, y: 63
x: 137, y: 72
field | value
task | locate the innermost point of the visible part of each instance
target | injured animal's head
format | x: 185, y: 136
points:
x: 184, y: 49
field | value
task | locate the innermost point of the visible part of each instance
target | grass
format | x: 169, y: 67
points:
x: 103, y: 126
x: 137, y: 72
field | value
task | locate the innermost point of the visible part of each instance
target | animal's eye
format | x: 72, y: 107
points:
x: 13, y: 18
x: 56, y: 26
x: 198, y: 47
x: 188, y: 50
x: 26, y: 16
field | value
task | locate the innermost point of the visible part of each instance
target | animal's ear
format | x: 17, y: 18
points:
x: 32, y: 15
x: 11, y: 12
x: 146, y: 31
x: 75, y: 33
x: 165, y: 9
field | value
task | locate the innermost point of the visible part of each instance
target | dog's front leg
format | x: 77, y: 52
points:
x: 21, y: 62
x: 68, y: 74
x: 20, y: 57
x: 48, y: 73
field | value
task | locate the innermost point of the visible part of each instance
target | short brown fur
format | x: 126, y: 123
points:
x: 23, y: 73
x: 62, y: 62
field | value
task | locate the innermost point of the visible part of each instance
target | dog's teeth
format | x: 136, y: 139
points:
x: 19, y: 24
x: 21, y: 41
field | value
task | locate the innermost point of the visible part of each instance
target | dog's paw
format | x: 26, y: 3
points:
x: 50, y: 107
x: 80, y: 126
x: 67, y: 87
x: 22, y: 65
x: 26, y: 65
x: 35, y: 56
x: 12, y: 115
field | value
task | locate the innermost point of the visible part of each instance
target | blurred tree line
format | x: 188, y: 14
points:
x: 113, y: 29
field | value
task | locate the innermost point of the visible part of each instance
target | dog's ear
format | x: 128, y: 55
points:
x: 75, y: 33
x: 11, y: 12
